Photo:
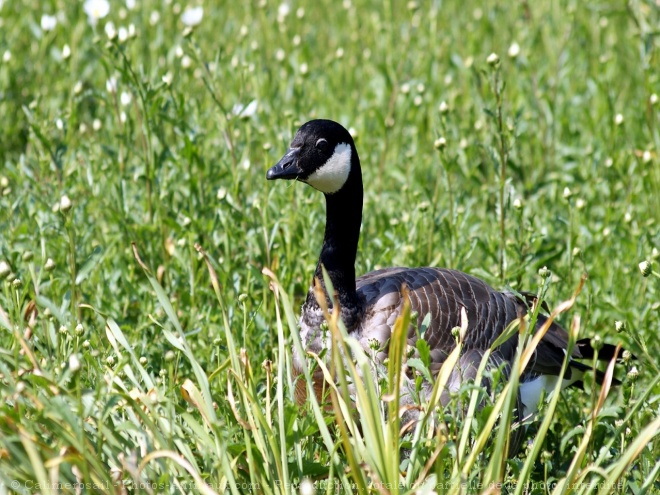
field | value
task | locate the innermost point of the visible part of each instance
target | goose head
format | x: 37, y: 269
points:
x: 322, y: 154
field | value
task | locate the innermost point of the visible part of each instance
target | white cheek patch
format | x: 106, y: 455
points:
x: 331, y: 176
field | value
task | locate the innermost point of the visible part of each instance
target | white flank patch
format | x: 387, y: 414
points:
x: 331, y: 176
x: 530, y: 392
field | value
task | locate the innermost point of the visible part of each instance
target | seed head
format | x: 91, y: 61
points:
x: 567, y: 193
x: 79, y: 330
x: 110, y: 360
x: 633, y: 374
x: 596, y: 343
x: 16, y: 283
x: 618, y: 119
x: 619, y: 326
x: 443, y: 108
x: 517, y: 204
x: 169, y: 356
x: 626, y: 356
x: 653, y: 99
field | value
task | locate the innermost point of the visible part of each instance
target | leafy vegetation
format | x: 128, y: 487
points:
x: 133, y: 361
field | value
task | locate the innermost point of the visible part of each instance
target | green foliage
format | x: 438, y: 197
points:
x: 173, y: 373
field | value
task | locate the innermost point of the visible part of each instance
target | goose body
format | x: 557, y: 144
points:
x: 323, y: 155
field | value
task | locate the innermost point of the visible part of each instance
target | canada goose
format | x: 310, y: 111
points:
x: 323, y: 155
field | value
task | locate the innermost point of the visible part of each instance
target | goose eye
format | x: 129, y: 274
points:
x: 322, y: 144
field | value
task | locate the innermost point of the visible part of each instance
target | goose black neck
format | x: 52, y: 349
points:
x: 342, y: 233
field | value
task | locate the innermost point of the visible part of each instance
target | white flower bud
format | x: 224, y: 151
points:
x: 514, y: 50
x: 110, y: 30
x: 493, y: 59
x: 65, y: 204
x: 544, y: 272
x: 5, y: 269
x: 440, y: 143
x: 74, y: 363
x: 646, y: 156
x: 122, y: 34
x: 645, y: 268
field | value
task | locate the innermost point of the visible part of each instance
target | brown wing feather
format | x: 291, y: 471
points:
x: 442, y: 293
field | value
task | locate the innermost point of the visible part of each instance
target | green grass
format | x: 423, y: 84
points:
x: 176, y: 372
